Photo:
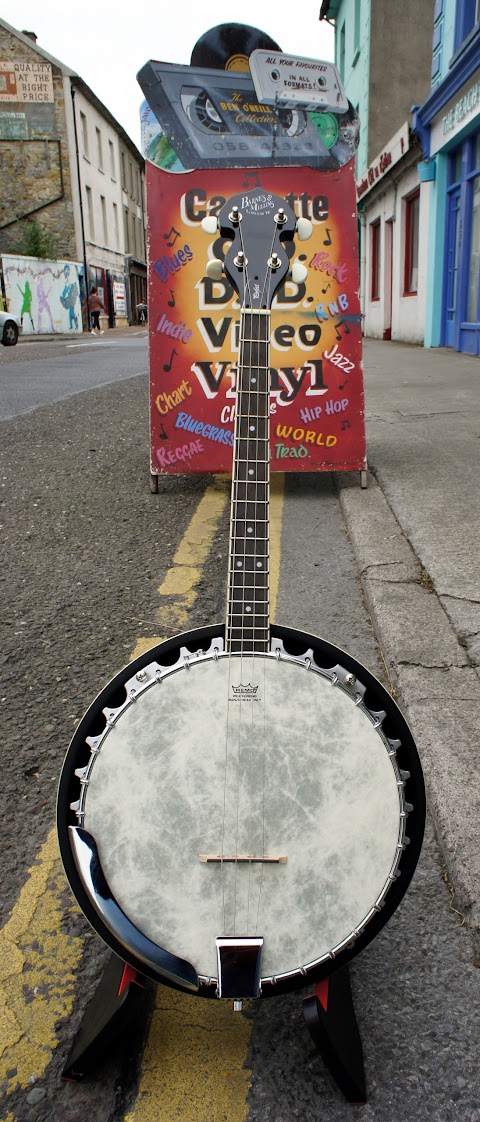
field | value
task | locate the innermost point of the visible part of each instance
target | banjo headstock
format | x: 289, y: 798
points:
x: 261, y: 228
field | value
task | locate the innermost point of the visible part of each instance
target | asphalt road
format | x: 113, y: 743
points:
x: 87, y: 548
x: 38, y: 373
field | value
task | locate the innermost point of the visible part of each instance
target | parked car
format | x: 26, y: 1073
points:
x: 10, y: 328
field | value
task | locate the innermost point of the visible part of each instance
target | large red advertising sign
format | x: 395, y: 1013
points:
x: 317, y: 409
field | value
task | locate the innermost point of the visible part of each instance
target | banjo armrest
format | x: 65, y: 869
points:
x: 157, y: 959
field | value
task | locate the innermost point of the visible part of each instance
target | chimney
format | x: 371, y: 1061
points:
x: 30, y: 35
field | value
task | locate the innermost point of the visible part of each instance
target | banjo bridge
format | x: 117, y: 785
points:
x: 241, y: 858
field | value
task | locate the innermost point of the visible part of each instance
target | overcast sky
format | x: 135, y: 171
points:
x: 106, y: 44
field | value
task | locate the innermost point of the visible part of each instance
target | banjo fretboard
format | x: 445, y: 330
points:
x: 248, y: 581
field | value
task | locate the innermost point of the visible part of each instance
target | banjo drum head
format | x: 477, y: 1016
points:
x: 242, y: 796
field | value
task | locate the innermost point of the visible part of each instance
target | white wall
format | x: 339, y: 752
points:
x: 105, y: 248
x: 407, y: 317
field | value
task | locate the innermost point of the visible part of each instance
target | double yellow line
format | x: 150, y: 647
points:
x: 194, y: 1063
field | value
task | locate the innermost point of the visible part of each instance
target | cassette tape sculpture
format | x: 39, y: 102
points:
x: 233, y: 808
x: 280, y: 124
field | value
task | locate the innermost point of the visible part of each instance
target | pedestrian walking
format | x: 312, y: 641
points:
x: 95, y: 306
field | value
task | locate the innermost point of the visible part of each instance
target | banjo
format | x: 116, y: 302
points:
x: 241, y: 809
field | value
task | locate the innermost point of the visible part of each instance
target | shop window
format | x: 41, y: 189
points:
x: 375, y: 266
x: 455, y: 167
x: 474, y: 265
x: 412, y: 209
x: 467, y: 15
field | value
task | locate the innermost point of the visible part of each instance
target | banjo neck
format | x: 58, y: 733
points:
x: 248, y: 627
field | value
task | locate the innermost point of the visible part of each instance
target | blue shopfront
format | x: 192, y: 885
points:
x: 449, y: 128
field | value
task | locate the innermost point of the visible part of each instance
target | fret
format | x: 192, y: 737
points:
x: 241, y: 530
x: 239, y: 572
x: 251, y: 563
x: 251, y: 318
x: 252, y: 582
x: 262, y: 392
x: 240, y: 526
x: 258, y: 474
x: 255, y: 450
x: 259, y: 342
x: 256, y: 347
x: 253, y: 427
x: 238, y: 630
x: 258, y: 607
x: 251, y: 508
x: 250, y: 547
x: 250, y: 646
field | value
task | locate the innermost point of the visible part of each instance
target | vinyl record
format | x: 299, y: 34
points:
x: 229, y: 46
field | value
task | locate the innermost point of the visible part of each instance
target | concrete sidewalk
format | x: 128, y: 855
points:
x: 109, y: 332
x: 416, y: 536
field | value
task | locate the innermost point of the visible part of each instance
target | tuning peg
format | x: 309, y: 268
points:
x: 209, y: 224
x: 299, y: 272
x: 214, y: 269
x: 304, y: 229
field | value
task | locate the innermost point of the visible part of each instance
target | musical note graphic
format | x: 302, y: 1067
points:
x: 168, y: 365
x: 171, y: 303
x: 341, y: 323
x: 345, y: 425
x: 328, y: 240
x: 342, y: 386
x: 170, y: 232
x: 162, y: 434
x: 324, y: 290
x: 251, y: 175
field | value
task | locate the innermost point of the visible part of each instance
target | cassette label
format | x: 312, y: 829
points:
x: 289, y: 80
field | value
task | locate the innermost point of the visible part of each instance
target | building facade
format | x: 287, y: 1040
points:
x: 383, y: 64
x: 393, y: 210
x: 383, y: 53
x: 67, y: 163
x: 448, y: 126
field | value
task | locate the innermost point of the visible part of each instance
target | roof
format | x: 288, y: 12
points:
x: 78, y: 83
x: 329, y: 9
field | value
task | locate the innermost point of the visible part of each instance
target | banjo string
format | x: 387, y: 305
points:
x: 256, y: 390
x: 265, y: 544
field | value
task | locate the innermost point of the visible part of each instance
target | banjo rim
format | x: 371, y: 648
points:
x: 296, y: 643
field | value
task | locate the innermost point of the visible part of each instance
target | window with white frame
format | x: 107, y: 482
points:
x: 104, y: 219
x: 375, y: 260
x: 412, y: 211
x: 112, y: 159
x: 99, y: 149
x: 91, y: 223
x: 84, y: 128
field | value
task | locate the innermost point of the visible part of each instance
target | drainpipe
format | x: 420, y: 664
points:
x: 82, y: 226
